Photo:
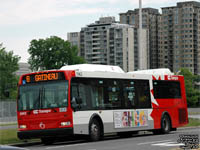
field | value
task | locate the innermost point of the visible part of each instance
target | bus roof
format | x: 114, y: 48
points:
x: 93, y: 67
x: 161, y: 71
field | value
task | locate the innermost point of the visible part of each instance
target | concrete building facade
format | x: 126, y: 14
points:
x: 108, y: 42
x: 179, y: 42
x: 150, y: 17
x: 171, y: 39
x: 74, y: 39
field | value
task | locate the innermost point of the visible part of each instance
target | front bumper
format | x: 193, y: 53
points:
x: 45, y: 133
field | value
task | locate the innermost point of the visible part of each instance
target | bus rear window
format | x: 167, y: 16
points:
x: 166, y: 89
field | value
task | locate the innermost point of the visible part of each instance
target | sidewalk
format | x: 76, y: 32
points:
x: 194, y: 116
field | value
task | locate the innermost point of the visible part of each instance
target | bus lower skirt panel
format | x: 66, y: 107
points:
x: 45, y: 133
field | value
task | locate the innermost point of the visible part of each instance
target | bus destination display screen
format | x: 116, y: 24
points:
x: 42, y: 77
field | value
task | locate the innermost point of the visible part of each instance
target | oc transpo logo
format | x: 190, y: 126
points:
x: 35, y: 111
x: 42, y: 125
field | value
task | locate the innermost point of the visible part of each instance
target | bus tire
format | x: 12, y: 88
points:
x: 94, y: 130
x: 47, y: 141
x: 165, y: 124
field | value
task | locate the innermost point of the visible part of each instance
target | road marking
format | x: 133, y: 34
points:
x: 168, y: 144
x: 154, y: 142
x: 55, y: 147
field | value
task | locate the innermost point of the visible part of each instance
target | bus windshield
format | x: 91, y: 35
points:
x: 43, y: 95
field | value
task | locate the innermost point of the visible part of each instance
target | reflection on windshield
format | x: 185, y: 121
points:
x: 43, y: 95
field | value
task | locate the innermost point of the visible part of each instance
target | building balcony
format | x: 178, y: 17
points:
x: 96, y: 43
x: 95, y: 48
x: 96, y: 57
x: 96, y: 52
x: 96, y: 38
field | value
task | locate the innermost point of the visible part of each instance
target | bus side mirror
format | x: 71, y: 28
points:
x: 73, y: 103
x: 76, y: 103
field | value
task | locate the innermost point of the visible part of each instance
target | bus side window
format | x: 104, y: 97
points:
x: 113, y: 91
x: 129, y: 94
x: 80, y: 90
x: 166, y: 89
x: 96, y: 93
x: 143, y: 94
x: 74, y: 91
x: 74, y: 94
x: 97, y: 97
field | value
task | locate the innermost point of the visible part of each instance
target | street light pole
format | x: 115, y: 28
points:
x: 140, y: 53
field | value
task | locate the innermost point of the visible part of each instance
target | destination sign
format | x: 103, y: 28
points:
x: 40, y: 77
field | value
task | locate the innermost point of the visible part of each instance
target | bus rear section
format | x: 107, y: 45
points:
x: 43, y: 106
x: 169, y: 103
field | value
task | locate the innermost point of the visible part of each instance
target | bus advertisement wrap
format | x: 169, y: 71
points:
x: 124, y: 119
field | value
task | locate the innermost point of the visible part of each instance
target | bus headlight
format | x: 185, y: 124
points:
x: 22, y: 126
x: 65, y: 123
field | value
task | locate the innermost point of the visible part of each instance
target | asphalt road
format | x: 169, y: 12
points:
x: 141, y: 141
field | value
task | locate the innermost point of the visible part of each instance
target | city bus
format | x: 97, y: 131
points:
x: 95, y: 100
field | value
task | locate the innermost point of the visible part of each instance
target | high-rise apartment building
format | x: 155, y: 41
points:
x: 179, y: 42
x: 171, y: 39
x: 150, y: 17
x: 74, y: 39
x: 109, y: 42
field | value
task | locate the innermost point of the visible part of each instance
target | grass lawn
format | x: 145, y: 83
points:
x: 193, y: 122
x: 8, y: 136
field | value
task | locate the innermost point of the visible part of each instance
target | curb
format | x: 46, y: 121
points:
x: 193, y: 127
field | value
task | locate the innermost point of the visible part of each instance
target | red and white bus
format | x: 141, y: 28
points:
x: 95, y: 100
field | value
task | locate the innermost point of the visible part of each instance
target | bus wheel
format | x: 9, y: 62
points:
x: 95, y: 130
x: 47, y: 141
x: 165, y: 124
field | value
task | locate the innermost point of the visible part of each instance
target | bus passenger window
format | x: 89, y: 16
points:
x: 97, y: 97
x: 129, y: 94
x: 143, y: 94
x: 166, y: 89
x: 79, y: 91
x: 113, y: 89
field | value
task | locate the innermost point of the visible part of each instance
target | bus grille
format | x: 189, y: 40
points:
x: 182, y: 115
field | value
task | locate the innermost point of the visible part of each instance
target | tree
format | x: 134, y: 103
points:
x: 192, y: 93
x: 52, y: 53
x: 8, y: 80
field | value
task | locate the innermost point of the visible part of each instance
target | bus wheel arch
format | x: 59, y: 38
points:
x: 96, y: 128
x: 166, y: 123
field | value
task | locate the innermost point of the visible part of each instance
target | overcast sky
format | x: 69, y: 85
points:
x: 24, y: 20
